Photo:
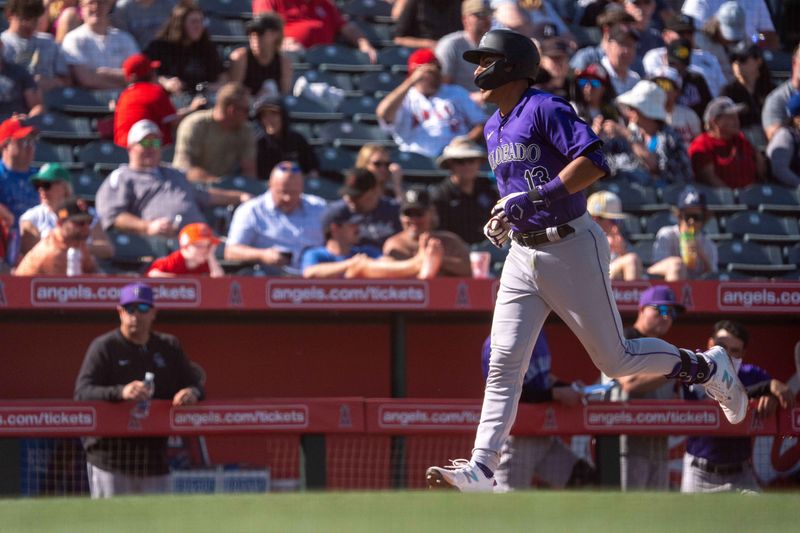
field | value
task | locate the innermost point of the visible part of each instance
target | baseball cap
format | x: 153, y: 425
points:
x: 621, y: 32
x: 680, y: 23
x: 731, y: 19
x: 339, y: 214
x: 605, y: 204
x: 660, y: 295
x: 270, y: 101
x: 679, y: 51
x: 415, y: 199
x: 420, y: 57
x: 647, y: 98
x: 544, y: 30
x: 594, y: 71
x: 793, y: 105
x: 614, y: 13
x: 73, y: 209
x: 51, y: 172
x: 664, y: 72
x: 691, y: 197
x: 460, y: 148
x: 13, y: 128
x: 472, y: 7
x: 554, y: 46
x: 197, y: 231
x: 721, y: 105
x: 744, y: 50
x: 357, y: 182
x: 136, y: 293
x: 138, y: 65
x: 263, y: 23
x: 142, y: 129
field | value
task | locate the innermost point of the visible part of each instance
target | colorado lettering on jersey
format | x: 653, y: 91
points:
x: 505, y: 153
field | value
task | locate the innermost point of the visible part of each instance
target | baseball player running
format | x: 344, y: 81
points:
x: 543, y: 156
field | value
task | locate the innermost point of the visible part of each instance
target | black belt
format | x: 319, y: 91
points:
x: 533, y: 239
x: 720, y: 469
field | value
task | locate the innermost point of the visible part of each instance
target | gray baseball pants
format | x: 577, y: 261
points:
x: 695, y: 479
x: 570, y: 278
x: 105, y: 484
x: 547, y: 458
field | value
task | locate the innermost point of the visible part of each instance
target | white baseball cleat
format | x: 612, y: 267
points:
x: 725, y: 386
x: 461, y: 475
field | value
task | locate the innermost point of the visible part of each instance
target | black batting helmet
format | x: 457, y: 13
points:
x: 520, y: 58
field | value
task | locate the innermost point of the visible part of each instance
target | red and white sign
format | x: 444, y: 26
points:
x: 299, y: 294
x: 35, y: 419
x: 250, y: 416
x: 428, y: 416
x: 627, y: 295
x: 625, y: 417
x: 104, y: 292
x: 761, y: 297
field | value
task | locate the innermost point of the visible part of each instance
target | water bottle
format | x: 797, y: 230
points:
x: 74, y: 258
x: 142, y: 409
x: 687, y: 254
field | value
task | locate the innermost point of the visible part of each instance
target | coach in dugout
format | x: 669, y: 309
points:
x: 113, y: 370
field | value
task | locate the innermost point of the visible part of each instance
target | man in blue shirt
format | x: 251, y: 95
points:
x: 18, y: 144
x: 332, y: 260
x: 714, y: 464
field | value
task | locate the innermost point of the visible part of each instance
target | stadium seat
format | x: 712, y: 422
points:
x: 720, y: 199
x: 304, y: 109
x: 396, y: 58
x: 644, y: 249
x: 102, y: 156
x: 635, y: 198
x: 135, y: 251
x: 793, y: 255
x: 772, y: 198
x: 54, y: 153
x: 80, y: 101
x: 334, y: 162
x: 241, y: 183
x: 360, y: 108
x: 323, y: 187
x: 380, y: 35
x: 379, y: 84
x: 368, y: 9
x: 336, y: 79
x: 725, y: 276
x: 85, y: 185
x: 57, y: 126
x: 226, y: 30
x: 750, y: 257
x: 762, y: 227
x: 241, y: 9
x: 632, y: 227
x: 219, y: 218
x: 353, y: 135
x: 309, y: 132
x: 339, y: 58
x: 168, y: 154
x: 417, y: 165
x: 656, y: 221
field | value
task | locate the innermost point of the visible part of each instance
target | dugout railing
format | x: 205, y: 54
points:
x: 350, y: 443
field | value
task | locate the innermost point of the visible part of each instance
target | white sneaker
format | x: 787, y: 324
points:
x: 462, y: 475
x: 725, y: 386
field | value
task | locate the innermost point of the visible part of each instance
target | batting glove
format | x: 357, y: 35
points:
x: 497, y: 230
x: 518, y: 207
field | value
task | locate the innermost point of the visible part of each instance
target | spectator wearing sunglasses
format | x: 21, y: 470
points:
x: 378, y: 160
x: 49, y: 256
x: 692, y: 213
x: 18, y: 143
x: 113, y: 370
x: 54, y: 185
x: 644, y: 461
x: 592, y: 96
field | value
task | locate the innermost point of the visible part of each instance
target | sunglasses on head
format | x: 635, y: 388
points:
x: 595, y: 84
x: 150, y: 143
x: 140, y: 307
x: 289, y: 167
x: 665, y: 310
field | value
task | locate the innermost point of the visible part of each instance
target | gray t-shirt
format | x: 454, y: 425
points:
x: 141, y: 21
x: 449, y: 50
x: 40, y: 55
x: 668, y: 244
x: 149, y: 194
x: 782, y: 151
x: 774, y: 110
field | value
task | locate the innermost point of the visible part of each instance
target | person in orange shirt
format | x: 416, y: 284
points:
x: 195, y: 256
x: 49, y: 256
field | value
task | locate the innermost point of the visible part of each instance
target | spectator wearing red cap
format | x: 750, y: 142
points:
x: 592, y: 96
x: 144, y: 99
x: 18, y: 143
x: 196, y: 255
x: 424, y: 114
x: 95, y: 50
x: 312, y: 22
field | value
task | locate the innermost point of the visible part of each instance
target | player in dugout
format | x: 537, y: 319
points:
x: 544, y: 156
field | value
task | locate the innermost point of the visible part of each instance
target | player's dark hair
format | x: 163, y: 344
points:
x: 24, y: 9
x: 736, y: 329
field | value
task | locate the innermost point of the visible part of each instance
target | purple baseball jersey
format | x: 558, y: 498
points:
x: 725, y: 450
x: 532, y: 144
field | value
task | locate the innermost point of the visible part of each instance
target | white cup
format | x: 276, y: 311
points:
x: 479, y: 261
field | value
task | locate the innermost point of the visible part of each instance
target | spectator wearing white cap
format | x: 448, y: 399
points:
x: 681, y: 118
x: 605, y: 207
x: 149, y: 198
x: 654, y: 142
x: 758, y: 22
x: 722, y: 156
x: 462, y: 199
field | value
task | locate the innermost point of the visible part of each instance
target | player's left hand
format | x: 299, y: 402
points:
x: 186, y: 396
x: 518, y: 207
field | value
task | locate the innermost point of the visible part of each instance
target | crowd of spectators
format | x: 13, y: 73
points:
x: 681, y: 93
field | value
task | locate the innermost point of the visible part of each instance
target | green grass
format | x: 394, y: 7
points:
x: 542, y: 512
